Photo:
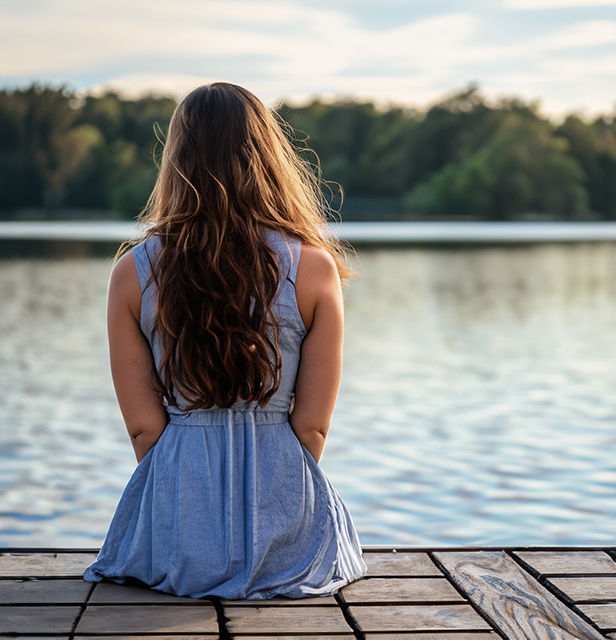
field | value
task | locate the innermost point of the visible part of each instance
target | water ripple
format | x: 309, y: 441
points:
x: 477, y: 403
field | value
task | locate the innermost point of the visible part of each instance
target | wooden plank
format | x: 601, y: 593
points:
x: 444, y: 617
x: 286, y: 637
x: 126, y: 619
x: 108, y: 593
x: 454, y: 635
x: 201, y: 636
x: 587, y: 589
x: 42, y: 565
x: 324, y: 601
x: 603, y: 615
x: 514, y: 602
x: 401, y: 590
x: 568, y: 562
x: 215, y: 637
x: 288, y: 620
x: 410, y: 564
x: 24, y: 620
x: 44, y: 591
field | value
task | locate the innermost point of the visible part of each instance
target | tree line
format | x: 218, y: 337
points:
x: 463, y: 158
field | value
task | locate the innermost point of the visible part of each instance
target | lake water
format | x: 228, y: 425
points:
x: 477, y: 406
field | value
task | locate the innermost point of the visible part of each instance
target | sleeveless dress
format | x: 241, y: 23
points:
x: 228, y: 502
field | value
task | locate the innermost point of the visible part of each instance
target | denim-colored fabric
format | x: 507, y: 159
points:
x: 228, y: 502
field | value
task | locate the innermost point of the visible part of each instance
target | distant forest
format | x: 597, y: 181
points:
x: 65, y: 156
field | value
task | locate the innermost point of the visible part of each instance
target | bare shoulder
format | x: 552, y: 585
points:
x: 124, y: 284
x: 316, y: 261
x: 317, y: 281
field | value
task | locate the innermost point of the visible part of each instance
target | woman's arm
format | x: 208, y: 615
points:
x: 319, y: 298
x: 132, y: 365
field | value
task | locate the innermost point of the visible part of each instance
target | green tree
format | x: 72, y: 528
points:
x: 521, y: 168
x: 594, y: 146
x: 41, y: 146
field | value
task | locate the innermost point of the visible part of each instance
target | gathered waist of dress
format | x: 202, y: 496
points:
x: 223, y: 417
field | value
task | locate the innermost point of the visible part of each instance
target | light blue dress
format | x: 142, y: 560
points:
x: 228, y: 502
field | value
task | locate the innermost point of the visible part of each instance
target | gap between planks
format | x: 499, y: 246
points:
x: 417, y: 584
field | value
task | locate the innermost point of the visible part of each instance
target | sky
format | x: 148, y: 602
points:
x: 408, y: 52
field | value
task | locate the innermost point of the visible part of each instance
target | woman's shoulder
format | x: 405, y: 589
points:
x: 124, y: 286
x: 317, y: 262
x: 317, y: 281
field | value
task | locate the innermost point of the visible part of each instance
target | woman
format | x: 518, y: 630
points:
x: 225, y: 333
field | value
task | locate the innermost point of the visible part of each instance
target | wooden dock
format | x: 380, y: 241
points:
x: 408, y: 594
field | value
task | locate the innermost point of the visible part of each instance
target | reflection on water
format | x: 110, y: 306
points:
x: 477, y: 404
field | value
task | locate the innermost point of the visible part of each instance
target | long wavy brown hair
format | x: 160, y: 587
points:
x: 228, y: 172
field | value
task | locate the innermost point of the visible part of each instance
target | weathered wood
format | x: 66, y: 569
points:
x: 603, y: 615
x: 50, y: 637
x: 200, y: 636
x: 475, y: 635
x: 125, y: 619
x: 568, y: 562
x: 515, y: 603
x: 446, y: 617
x: 286, y: 637
x: 454, y: 635
x: 587, y: 589
x: 411, y: 564
x: 44, y: 591
x: 37, y: 619
x: 107, y: 593
x: 216, y: 637
x: 287, y: 620
x: 325, y: 601
x: 401, y: 590
x: 42, y: 565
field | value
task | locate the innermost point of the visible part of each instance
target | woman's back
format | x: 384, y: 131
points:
x: 228, y: 502
x: 292, y: 330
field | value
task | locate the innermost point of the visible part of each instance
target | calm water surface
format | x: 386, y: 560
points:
x: 477, y: 404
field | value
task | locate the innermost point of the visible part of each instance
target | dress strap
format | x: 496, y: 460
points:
x: 144, y: 255
x: 295, y: 247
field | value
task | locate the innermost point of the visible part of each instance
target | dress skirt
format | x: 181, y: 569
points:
x: 230, y: 504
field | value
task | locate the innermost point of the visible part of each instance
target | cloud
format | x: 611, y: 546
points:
x: 307, y: 49
x: 585, y: 34
x: 534, y: 5
x: 280, y: 48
